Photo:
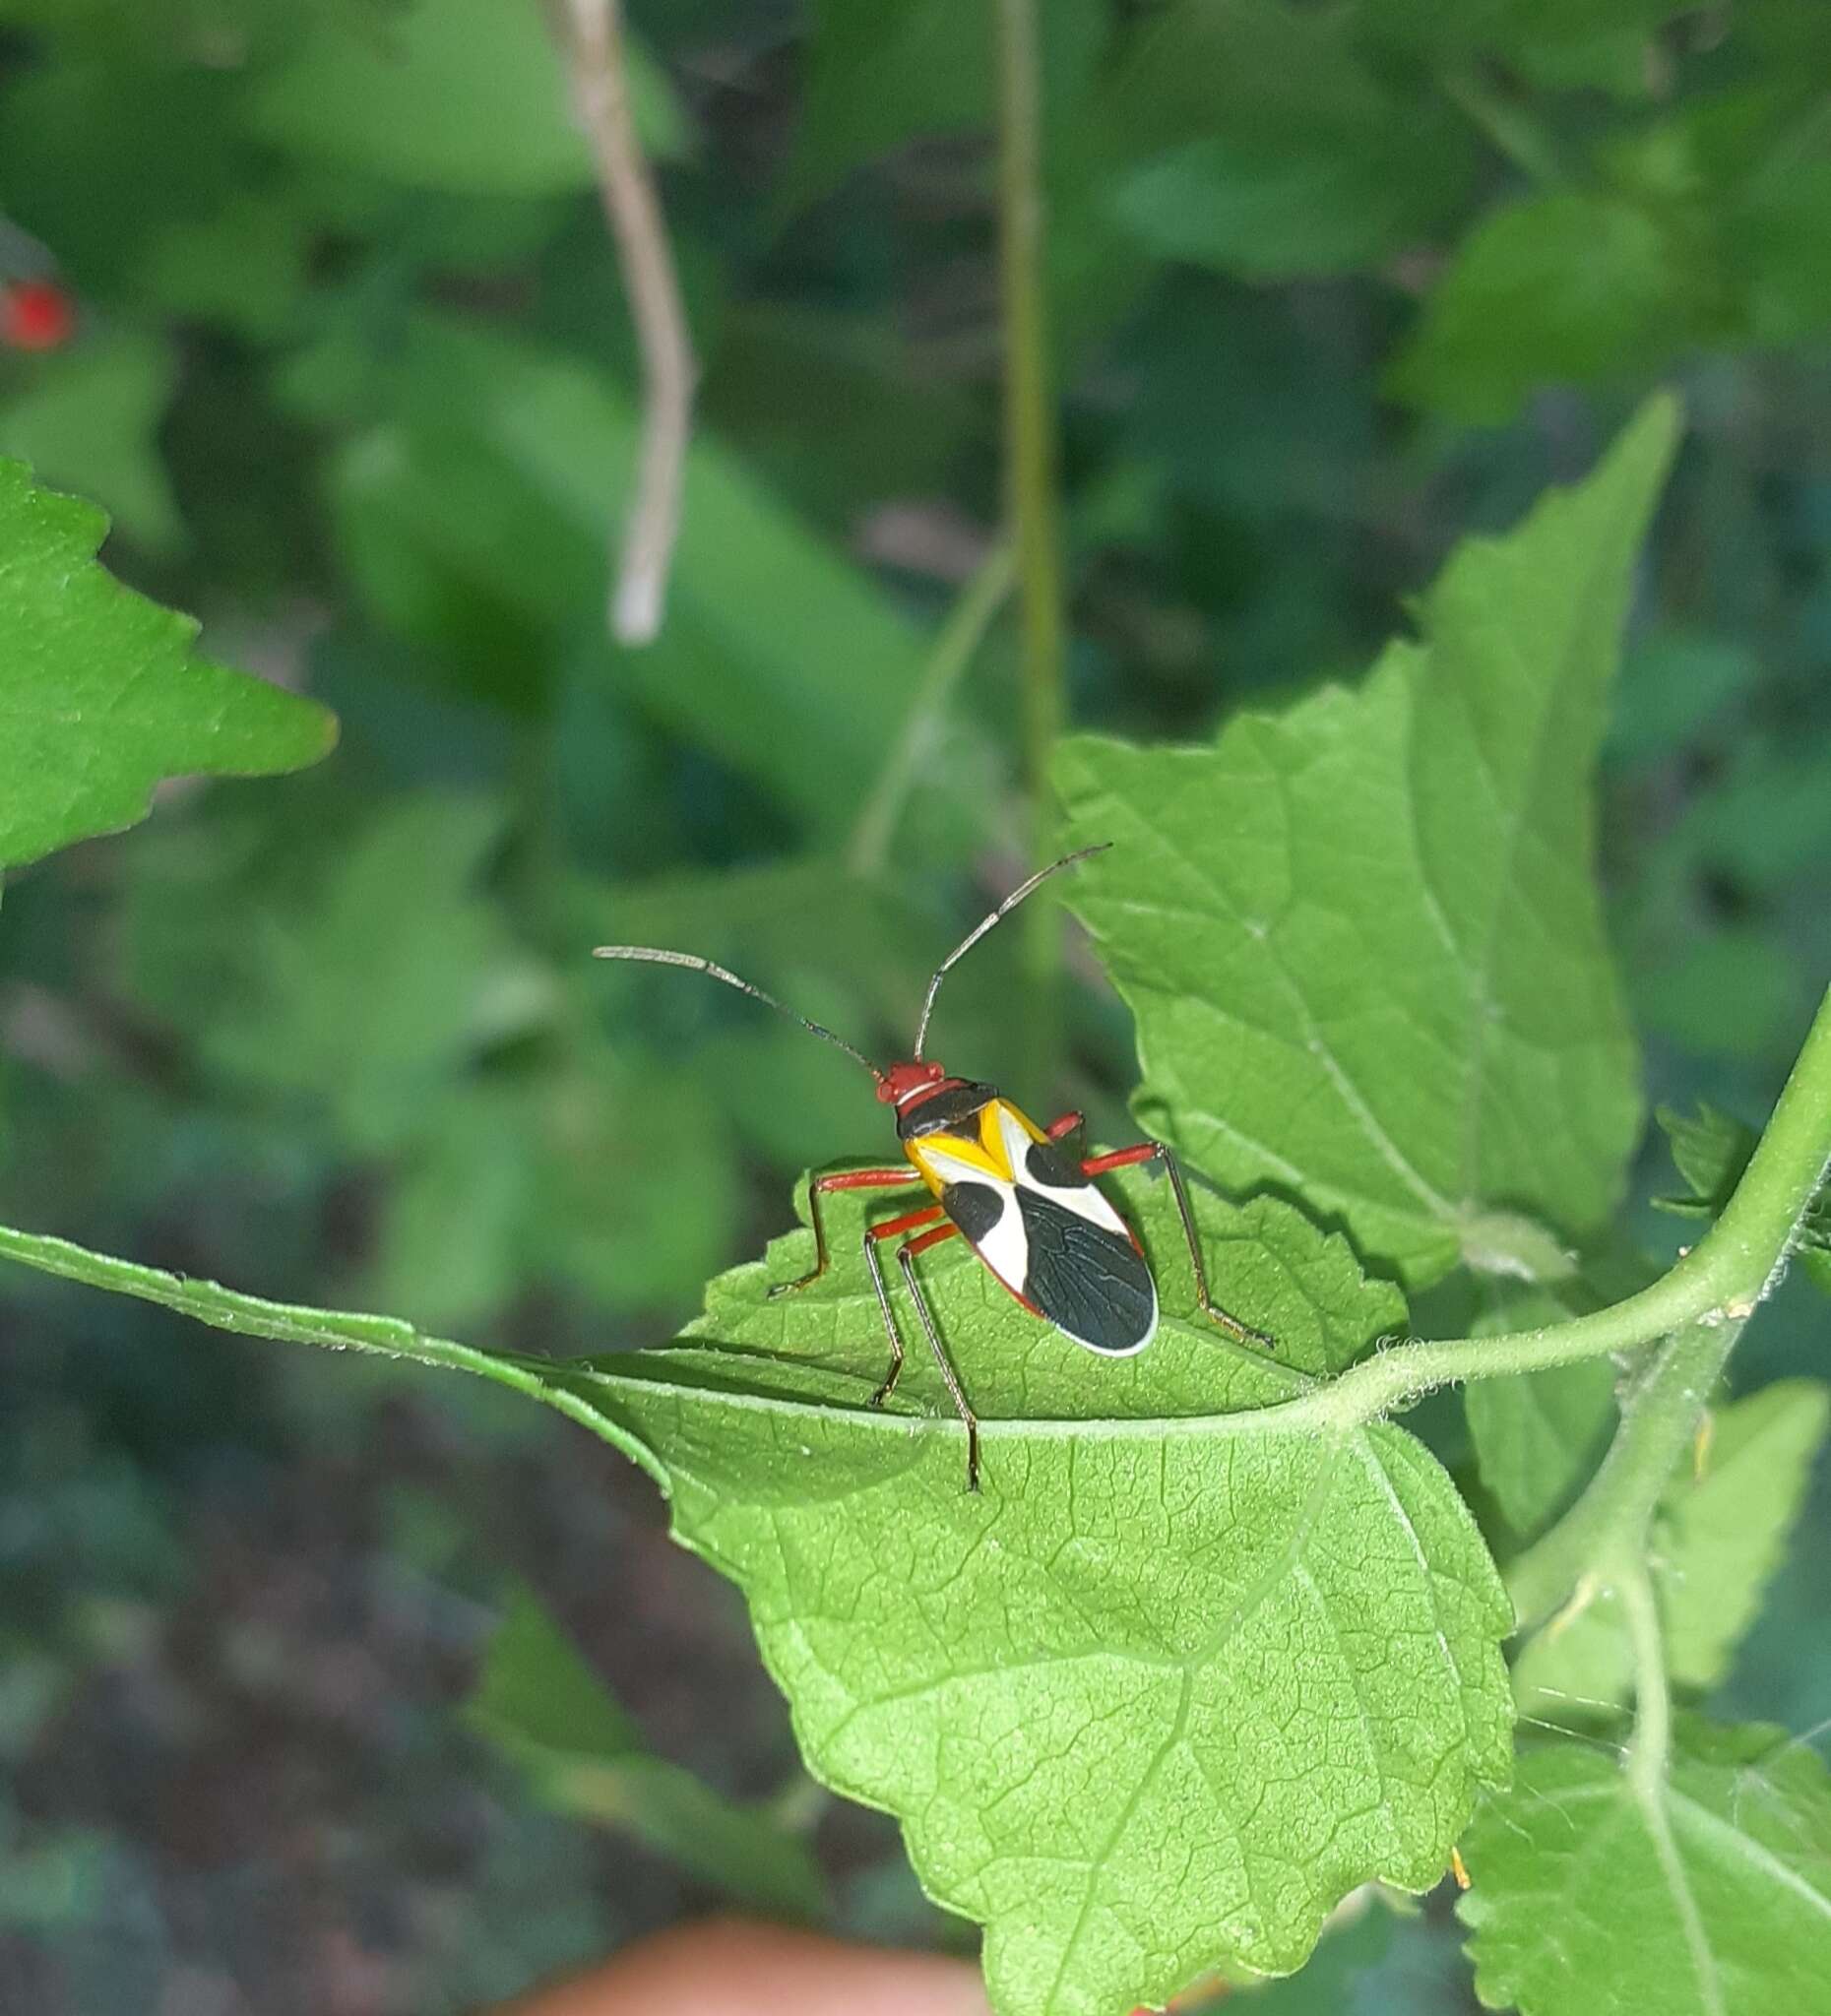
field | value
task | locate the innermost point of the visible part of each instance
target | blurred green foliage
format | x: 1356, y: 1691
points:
x: 352, y: 375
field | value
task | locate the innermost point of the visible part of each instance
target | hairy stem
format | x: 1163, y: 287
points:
x: 1737, y: 1263
x: 296, y: 1323
x: 1651, y: 1748
x: 1659, y: 1422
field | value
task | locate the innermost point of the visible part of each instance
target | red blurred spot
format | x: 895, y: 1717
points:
x: 35, y: 315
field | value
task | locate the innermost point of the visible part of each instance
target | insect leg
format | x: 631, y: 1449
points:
x: 895, y: 1372
x: 1155, y: 1151
x: 1068, y: 1122
x: 905, y: 1256
x: 872, y: 1233
x: 840, y: 1180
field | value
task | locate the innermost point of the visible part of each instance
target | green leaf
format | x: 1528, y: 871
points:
x: 1709, y: 1896
x: 244, y: 266
x: 611, y: 1178
x: 1712, y: 1150
x: 1361, y: 938
x: 90, y: 417
x: 873, y: 81
x: 539, y: 1701
x: 1252, y: 138
x: 449, y: 544
x: 1045, y: 1682
x: 1718, y: 1542
x: 371, y: 992
x: 1537, y: 1437
x: 1276, y: 212
x: 101, y: 693
x: 1570, y: 287
x: 1515, y: 29
x: 459, y: 94
x: 1353, y: 1943
x: 875, y: 78
x: 836, y: 658
x: 1163, y: 1692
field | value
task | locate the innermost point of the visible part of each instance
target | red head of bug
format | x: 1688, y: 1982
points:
x: 903, y: 1081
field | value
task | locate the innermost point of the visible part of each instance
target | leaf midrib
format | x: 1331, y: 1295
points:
x: 1513, y: 825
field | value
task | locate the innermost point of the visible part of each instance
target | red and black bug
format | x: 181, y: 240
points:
x: 1029, y: 1209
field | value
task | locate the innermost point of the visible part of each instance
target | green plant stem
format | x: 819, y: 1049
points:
x: 1032, y: 503
x: 1700, y: 1304
x: 1737, y: 1262
x: 1659, y: 1419
x: 1510, y: 128
x: 1651, y: 1748
x: 294, y: 1323
x: 955, y: 648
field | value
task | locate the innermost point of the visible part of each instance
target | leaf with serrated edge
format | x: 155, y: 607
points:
x: 1718, y: 1542
x: 1712, y: 1898
x: 1167, y: 1691
x: 100, y: 696
x: 1712, y: 1151
x: 1361, y: 939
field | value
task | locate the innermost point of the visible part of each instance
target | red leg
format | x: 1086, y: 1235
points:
x: 906, y: 1224
x: 1120, y: 1158
x: 1155, y: 1151
x: 933, y: 1239
x: 841, y: 1179
x: 1065, y: 1125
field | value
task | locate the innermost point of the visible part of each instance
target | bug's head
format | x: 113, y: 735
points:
x: 903, y: 1082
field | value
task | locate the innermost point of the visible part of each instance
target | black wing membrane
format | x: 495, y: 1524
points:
x: 1087, y: 1281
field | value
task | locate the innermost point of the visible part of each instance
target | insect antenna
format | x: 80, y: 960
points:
x: 985, y: 924
x: 654, y: 956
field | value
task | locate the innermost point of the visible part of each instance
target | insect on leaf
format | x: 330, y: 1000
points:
x: 1155, y: 1701
x: 1168, y: 1688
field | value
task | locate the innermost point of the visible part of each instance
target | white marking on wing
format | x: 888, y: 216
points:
x: 1084, y: 1199
x: 1005, y: 1249
x: 952, y: 1169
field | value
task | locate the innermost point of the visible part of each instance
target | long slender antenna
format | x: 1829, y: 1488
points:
x: 985, y: 924
x: 654, y: 956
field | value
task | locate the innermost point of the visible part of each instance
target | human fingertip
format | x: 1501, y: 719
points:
x: 733, y: 1966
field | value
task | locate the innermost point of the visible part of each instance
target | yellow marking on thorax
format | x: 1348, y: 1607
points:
x: 985, y: 1153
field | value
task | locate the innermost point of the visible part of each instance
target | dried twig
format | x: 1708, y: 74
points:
x: 601, y: 84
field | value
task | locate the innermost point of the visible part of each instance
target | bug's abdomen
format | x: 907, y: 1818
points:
x: 1085, y: 1278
